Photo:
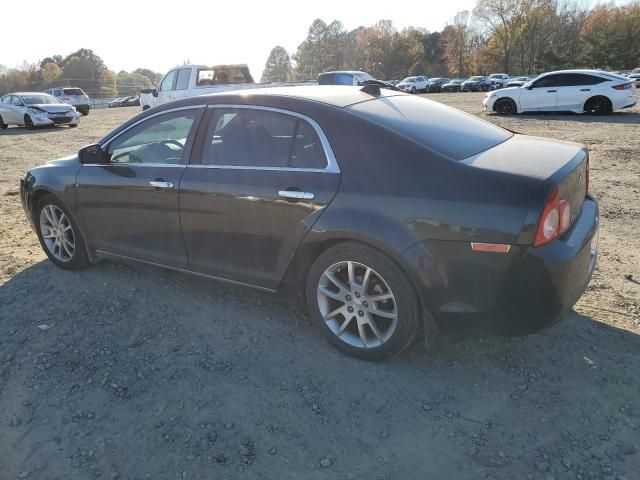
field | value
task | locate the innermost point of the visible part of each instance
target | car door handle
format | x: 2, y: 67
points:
x: 296, y: 195
x: 585, y: 89
x: 551, y: 91
x: 160, y: 184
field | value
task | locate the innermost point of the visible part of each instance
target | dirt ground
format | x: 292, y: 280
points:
x: 130, y: 372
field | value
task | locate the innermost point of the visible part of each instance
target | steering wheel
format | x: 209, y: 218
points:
x: 172, y: 142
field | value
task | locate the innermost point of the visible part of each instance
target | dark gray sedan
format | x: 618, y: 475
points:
x: 390, y: 215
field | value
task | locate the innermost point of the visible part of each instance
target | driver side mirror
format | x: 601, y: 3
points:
x: 93, y: 154
x: 155, y: 92
x: 530, y: 86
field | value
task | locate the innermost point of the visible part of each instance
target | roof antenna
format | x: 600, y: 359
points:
x: 371, y: 89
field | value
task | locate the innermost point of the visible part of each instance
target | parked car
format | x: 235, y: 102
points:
x: 453, y: 85
x: 36, y: 109
x: 132, y: 102
x: 119, y: 102
x: 518, y: 81
x: 413, y: 84
x: 291, y: 189
x: 635, y: 76
x: 435, y: 84
x: 578, y: 91
x: 499, y: 80
x: 477, y: 83
x: 72, y: 96
x: 344, y: 78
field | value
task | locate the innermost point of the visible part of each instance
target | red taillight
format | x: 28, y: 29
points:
x: 554, y: 220
x: 624, y: 86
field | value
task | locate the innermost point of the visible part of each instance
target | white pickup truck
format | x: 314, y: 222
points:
x: 188, y: 81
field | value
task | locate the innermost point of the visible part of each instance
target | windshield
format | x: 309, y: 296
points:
x: 475, y: 79
x: 434, y: 80
x: 39, y: 99
x: 73, y: 91
x: 409, y: 80
x: 439, y: 128
x: 496, y: 75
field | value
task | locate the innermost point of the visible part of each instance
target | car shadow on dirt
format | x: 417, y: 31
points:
x: 19, y: 131
x: 200, y: 377
x: 632, y: 118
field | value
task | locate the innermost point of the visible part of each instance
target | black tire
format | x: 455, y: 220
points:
x: 84, y: 112
x: 80, y: 258
x: 28, y: 122
x: 2, y: 124
x: 73, y: 125
x: 146, y: 107
x: 598, y: 106
x: 413, y: 89
x: 505, y: 106
x: 407, y: 304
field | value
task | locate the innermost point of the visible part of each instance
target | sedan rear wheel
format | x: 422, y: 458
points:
x: 598, y: 105
x: 28, y: 122
x: 363, y: 302
x: 59, y: 235
x: 2, y: 124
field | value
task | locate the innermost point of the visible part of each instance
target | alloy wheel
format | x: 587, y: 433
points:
x: 357, y: 304
x: 57, y: 233
x: 504, y: 107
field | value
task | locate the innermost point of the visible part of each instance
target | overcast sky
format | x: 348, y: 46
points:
x: 161, y: 34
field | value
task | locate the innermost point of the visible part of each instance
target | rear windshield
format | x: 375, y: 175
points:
x: 73, y: 91
x: 223, y: 75
x: 442, y: 129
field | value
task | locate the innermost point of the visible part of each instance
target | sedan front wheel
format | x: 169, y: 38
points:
x: 364, y: 303
x: 59, y: 234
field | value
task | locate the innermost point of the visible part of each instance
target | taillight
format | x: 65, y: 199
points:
x: 554, y: 220
x: 624, y: 86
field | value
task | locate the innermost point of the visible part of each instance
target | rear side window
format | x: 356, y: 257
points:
x: 73, y: 91
x: 261, y: 139
x: 442, y: 129
x: 344, y: 79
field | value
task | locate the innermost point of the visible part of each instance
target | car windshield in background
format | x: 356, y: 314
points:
x: 442, y: 129
x: 39, y: 99
x: 223, y: 75
x: 73, y: 91
x: 476, y: 79
x: 457, y: 80
x: 409, y: 80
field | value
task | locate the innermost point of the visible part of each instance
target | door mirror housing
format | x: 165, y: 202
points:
x: 155, y: 92
x: 93, y: 154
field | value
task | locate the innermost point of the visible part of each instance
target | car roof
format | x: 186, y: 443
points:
x: 27, y: 93
x: 334, y: 95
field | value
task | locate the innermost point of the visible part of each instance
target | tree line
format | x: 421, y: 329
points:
x: 517, y: 37
x: 83, y: 69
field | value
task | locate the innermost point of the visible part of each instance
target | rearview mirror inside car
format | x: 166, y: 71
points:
x: 93, y: 154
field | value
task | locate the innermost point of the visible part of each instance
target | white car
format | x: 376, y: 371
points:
x: 73, y: 96
x: 414, y: 84
x: 499, y: 80
x: 36, y: 109
x: 578, y: 91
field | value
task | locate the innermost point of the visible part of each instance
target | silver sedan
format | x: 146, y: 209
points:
x: 35, y: 109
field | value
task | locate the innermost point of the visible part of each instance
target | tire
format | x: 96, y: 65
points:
x: 28, y: 122
x: 505, y: 106
x: 146, y: 107
x: 413, y: 90
x: 598, y: 106
x: 47, y: 212
x: 3, y: 125
x: 73, y: 125
x: 400, y: 311
x: 84, y: 112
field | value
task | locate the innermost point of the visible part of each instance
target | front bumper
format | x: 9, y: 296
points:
x: 513, y: 293
x: 48, y: 119
x: 487, y: 103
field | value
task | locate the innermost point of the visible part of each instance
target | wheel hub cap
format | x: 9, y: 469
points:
x: 357, y: 304
x: 57, y: 233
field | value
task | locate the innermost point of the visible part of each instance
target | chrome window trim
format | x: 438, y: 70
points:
x: 156, y: 165
x: 332, y: 163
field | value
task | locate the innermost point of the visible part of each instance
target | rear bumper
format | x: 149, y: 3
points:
x: 516, y: 293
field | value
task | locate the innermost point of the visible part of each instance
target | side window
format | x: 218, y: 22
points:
x: 6, y: 99
x: 260, y: 138
x: 582, y: 79
x: 160, y: 139
x: 167, y: 81
x: 184, y: 75
x: 548, y: 81
x: 16, y: 101
x: 344, y: 79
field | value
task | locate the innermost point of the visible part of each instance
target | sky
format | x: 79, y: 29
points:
x: 161, y: 34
